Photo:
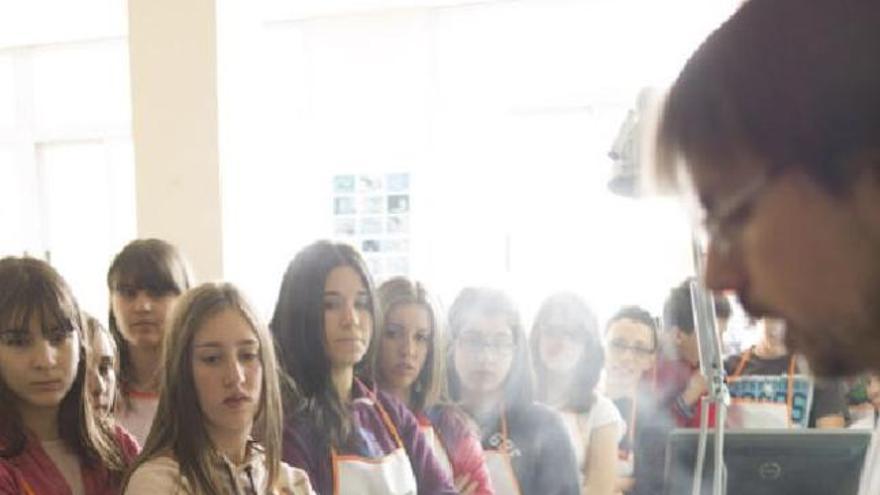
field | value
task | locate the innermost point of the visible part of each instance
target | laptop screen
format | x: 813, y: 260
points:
x: 763, y: 462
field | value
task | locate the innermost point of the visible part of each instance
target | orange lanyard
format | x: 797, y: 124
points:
x: 27, y: 488
x: 503, y: 446
x: 385, y: 419
x: 789, y: 393
x: 632, y: 422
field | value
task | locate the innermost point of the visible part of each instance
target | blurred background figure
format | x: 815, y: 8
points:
x: 680, y: 383
x: 103, y: 367
x: 568, y: 357
x: 632, y: 343
x: 771, y: 388
x: 526, y: 444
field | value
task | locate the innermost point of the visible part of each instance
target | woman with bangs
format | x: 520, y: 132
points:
x: 348, y: 436
x: 568, y: 356
x: 218, y: 426
x: 411, y: 367
x: 51, y: 439
x: 526, y: 446
x: 144, y: 280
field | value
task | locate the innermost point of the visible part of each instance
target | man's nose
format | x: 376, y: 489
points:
x: 724, y: 271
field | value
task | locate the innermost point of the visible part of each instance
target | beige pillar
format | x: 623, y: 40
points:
x: 173, y: 47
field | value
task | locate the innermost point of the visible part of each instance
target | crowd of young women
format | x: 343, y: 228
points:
x: 373, y: 390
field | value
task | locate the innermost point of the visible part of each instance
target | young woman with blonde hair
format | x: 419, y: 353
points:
x: 103, y: 368
x: 218, y: 425
x: 410, y: 365
x: 568, y: 358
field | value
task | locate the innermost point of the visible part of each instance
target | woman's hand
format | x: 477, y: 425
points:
x: 465, y: 485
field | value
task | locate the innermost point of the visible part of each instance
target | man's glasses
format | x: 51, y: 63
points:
x: 725, y: 224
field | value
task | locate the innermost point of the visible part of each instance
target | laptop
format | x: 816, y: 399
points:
x: 769, y: 461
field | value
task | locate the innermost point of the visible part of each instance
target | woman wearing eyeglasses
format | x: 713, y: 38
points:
x: 526, y: 446
x: 631, y: 340
x: 568, y: 358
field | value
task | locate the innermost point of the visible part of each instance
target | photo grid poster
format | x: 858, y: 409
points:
x: 372, y: 212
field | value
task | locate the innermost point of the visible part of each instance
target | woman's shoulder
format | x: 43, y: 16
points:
x: 397, y: 411
x: 294, y: 480
x: 604, y: 412
x: 157, y: 475
x: 451, y: 421
x: 9, y: 477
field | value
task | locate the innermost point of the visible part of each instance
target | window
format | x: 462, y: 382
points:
x: 66, y: 160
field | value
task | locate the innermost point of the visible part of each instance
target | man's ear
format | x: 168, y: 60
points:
x: 866, y: 193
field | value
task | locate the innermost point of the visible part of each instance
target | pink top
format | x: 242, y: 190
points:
x: 462, y: 444
x: 33, y: 473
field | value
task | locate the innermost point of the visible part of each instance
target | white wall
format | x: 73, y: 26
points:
x: 502, y: 111
x: 174, y: 100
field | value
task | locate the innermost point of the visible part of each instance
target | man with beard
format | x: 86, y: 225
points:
x: 776, y: 121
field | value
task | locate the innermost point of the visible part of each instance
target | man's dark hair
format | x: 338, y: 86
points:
x: 678, y: 312
x: 637, y: 314
x: 791, y: 82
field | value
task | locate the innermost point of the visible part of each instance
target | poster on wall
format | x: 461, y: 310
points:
x: 372, y: 213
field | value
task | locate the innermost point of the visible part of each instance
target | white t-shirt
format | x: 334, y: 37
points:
x: 67, y: 463
x: 139, y: 419
x: 580, y: 427
x: 870, y: 481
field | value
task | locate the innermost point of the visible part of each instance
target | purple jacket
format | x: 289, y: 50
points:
x: 371, y: 439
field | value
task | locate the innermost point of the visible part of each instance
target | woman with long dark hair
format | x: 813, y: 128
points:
x: 347, y: 435
x: 218, y: 426
x: 51, y: 438
x: 144, y: 280
x: 568, y: 357
x: 526, y: 446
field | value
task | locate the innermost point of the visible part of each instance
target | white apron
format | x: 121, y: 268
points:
x: 498, y: 464
x: 755, y: 404
x: 391, y: 474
